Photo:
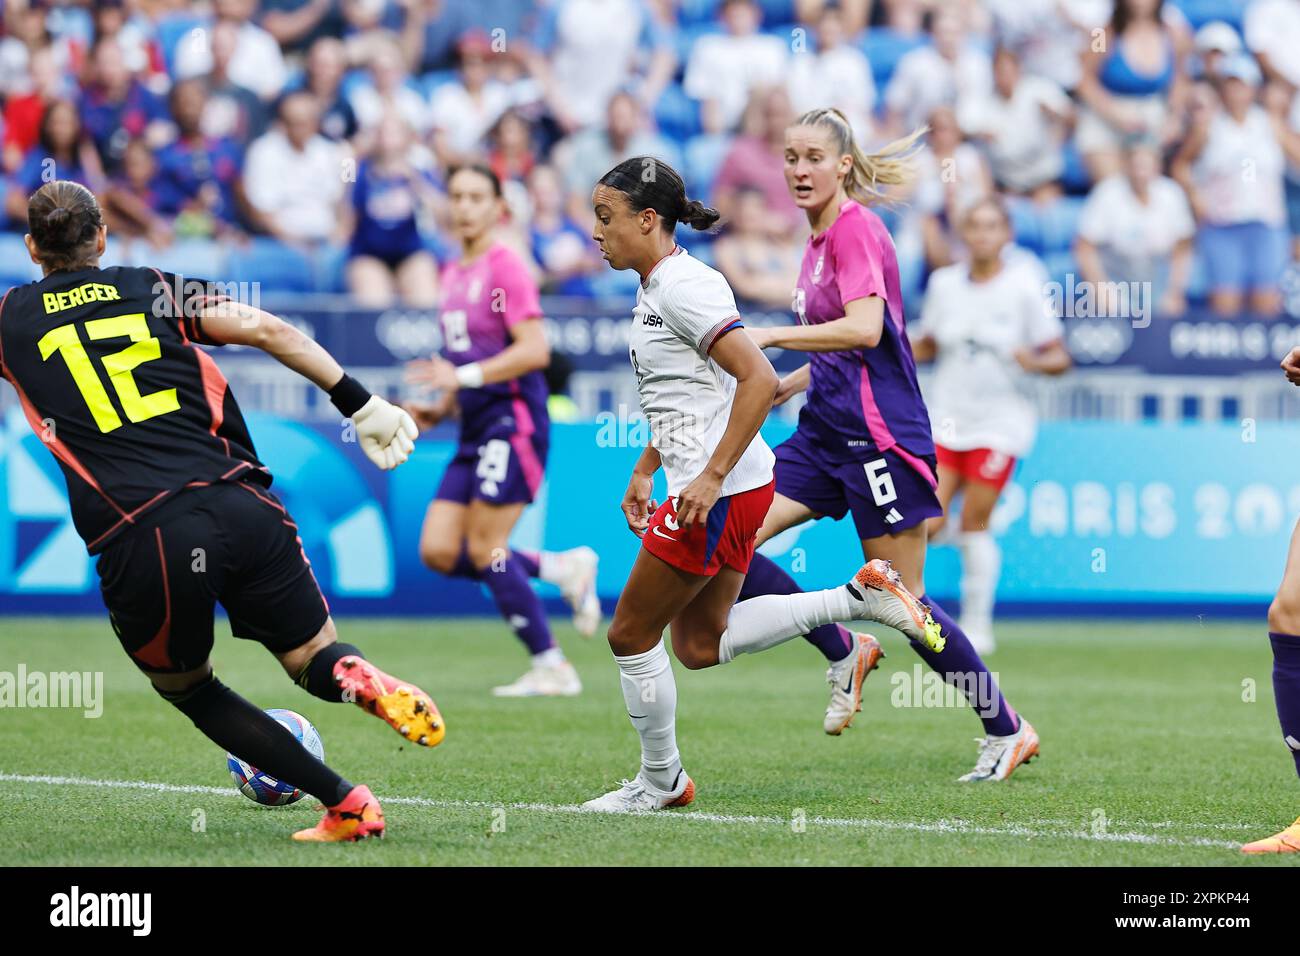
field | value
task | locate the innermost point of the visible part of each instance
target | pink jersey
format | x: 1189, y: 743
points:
x: 481, y: 301
x: 860, y: 401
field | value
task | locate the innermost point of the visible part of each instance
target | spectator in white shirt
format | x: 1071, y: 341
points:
x: 388, y: 91
x: 257, y: 63
x: 725, y: 68
x: 1273, y: 35
x: 836, y: 74
x: 587, y: 50
x: 464, y: 110
x: 951, y: 176
x: 1023, y: 122
x: 294, y: 179
x: 1232, y: 166
x: 1137, y: 226
x: 933, y: 76
x: 1048, y: 35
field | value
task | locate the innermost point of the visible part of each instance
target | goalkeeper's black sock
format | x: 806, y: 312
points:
x: 257, y: 738
x: 317, y: 677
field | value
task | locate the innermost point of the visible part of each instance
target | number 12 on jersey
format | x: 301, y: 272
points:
x: 144, y: 348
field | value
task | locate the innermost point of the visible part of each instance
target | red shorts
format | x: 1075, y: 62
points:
x: 983, y: 465
x: 725, y: 538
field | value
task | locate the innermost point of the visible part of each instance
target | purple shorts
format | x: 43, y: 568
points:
x: 501, y: 471
x: 886, y: 493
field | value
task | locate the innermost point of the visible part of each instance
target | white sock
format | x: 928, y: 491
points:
x: 651, y: 697
x: 981, y: 566
x: 552, y: 566
x: 772, y: 619
x: 549, y: 657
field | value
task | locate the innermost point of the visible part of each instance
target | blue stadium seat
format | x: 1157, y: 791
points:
x: 1060, y: 265
x: 1059, y: 224
x: 1025, y: 228
x: 1199, y: 12
x: 273, y: 265
x: 16, y: 266
x: 695, y: 12
x: 677, y: 115
x: 703, y: 157
x: 884, y: 48
x: 777, y: 12
x: 1074, y: 177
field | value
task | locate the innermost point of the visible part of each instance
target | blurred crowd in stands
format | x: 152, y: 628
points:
x: 304, y: 144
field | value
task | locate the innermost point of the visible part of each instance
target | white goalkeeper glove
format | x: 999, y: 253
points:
x: 385, y: 432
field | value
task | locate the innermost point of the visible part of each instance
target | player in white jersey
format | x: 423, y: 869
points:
x: 988, y: 325
x: 704, y: 393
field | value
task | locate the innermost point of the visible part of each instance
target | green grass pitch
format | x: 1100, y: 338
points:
x: 1150, y: 755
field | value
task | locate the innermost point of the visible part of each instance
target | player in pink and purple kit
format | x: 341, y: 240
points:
x: 863, y: 444
x: 494, y: 350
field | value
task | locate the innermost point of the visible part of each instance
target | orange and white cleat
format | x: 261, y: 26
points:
x: 846, y: 678
x: 878, y: 590
x: 357, y: 817
x: 1288, y: 841
x: 1000, y: 756
x: 638, y: 795
x: 406, y: 708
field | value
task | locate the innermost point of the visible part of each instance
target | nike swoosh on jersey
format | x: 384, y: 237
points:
x: 659, y: 531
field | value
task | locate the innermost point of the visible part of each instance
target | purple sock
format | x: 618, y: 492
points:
x: 531, y: 562
x: 766, y: 577
x: 1286, y: 689
x: 464, y: 568
x: 518, y: 604
x: 961, y: 666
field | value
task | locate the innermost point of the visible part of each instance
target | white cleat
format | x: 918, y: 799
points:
x: 638, y: 796
x: 1000, y: 756
x: 556, y: 680
x: 878, y: 591
x: 579, y: 589
x: 846, y: 678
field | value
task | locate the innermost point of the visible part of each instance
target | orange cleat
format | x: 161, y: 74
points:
x: 1288, y: 841
x: 358, y: 816
x: 846, y: 678
x: 406, y: 708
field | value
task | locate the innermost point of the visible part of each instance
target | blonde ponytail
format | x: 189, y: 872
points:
x: 871, y: 173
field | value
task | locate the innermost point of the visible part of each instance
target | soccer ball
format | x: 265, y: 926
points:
x: 264, y: 789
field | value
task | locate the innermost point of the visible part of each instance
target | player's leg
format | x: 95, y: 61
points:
x: 1009, y: 741
x: 160, y: 582
x: 1284, y: 635
x: 443, y: 549
x: 487, y: 538
x: 417, y: 280
x: 981, y: 558
x: 805, y: 491
x: 656, y: 592
x: 950, y: 483
x: 442, y: 538
x: 370, y: 281
x: 272, y: 597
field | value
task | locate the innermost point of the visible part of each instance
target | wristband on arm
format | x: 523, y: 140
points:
x: 348, y: 395
x: 470, y: 376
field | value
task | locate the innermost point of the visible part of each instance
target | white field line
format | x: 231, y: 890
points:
x: 1043, y: 828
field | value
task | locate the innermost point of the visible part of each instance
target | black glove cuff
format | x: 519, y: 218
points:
x: 348, y: 395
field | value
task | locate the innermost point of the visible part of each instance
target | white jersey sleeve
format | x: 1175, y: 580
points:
x: 698, y: 307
